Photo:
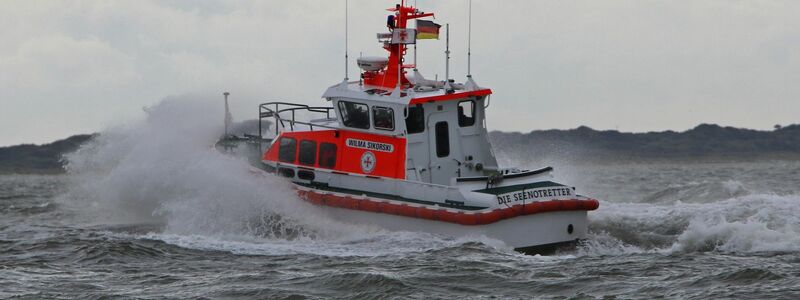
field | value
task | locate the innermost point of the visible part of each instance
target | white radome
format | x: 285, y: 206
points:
x: 372, y: 63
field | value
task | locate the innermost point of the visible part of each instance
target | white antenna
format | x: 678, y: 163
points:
x: 415, y: 44
x: 469, y: 40
x: 447, y: 54
x: 346, y: 59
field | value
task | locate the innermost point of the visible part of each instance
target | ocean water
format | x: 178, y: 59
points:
x: 150, y: 211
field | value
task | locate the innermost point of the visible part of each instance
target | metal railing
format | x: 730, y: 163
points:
x: 275, y: 109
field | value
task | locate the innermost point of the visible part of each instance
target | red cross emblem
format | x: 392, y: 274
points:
x: 368, y: 161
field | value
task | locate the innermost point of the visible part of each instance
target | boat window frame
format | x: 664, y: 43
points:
x: 313, y: 153
x: 320, y: 162
x: 282, y: 153
x: 467, y: 121
x: 346, y: 115
x: 442, y: 139
x: 375, y: 118
x: 420, y: 128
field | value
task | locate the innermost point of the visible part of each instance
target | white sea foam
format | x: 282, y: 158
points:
x: 165, y: 169
x: 377, y: 244
x: 757, y: 223
x: 746, y: 224
x: 603, y: 244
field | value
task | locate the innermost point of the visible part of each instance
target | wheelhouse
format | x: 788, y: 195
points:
x: 432, y: 137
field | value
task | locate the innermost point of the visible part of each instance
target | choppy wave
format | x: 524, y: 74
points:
x: 745, y: 224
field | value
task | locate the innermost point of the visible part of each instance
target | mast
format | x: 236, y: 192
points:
x: 395, y: 42
x: 228, y: 117
x: 400, y: 66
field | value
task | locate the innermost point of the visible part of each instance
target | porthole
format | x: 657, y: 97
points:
x: 305, y: 175
x: 286, y: 172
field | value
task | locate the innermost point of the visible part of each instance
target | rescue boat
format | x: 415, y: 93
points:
x: 396, y: 150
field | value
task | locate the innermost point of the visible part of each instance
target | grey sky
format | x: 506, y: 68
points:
x: 71, y: 67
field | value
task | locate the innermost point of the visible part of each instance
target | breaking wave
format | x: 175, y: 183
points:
x: 740, y: 208
x: 754, y: 223
x: 164, y: 170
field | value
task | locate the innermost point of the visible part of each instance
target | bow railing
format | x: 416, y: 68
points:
x: 279, y: 111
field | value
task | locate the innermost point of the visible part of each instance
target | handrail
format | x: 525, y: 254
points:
x: 264, y: 111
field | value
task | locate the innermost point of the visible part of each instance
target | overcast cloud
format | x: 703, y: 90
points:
x: 71, y: 67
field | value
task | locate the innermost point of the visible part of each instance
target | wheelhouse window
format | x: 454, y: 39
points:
x: 415, y: 122
x: 466, y: 113
x: 354, y: 114
x: 442, y: 140
x: 308, y: 153
x: 287, y: 150
x: 383, y: 118
x: 327, y: 155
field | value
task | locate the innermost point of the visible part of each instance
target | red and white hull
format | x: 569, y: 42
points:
x: 534, y: 227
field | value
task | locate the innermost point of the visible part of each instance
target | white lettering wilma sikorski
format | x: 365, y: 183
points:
x: 370, y: 145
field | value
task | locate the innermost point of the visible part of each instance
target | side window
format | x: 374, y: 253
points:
x: 383, y: 118
x: 415, y: 122
x: 327, y: 155
x: 442, y: 140
x: 466, y: 113
x: 354, y: 115
x: 287, y: 150
x: 308, y: 152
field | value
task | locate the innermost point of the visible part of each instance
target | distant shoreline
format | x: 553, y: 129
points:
x: 46, y: 159
x: 706, y: 143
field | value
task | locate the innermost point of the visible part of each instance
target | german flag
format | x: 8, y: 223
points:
x: 427, y: 30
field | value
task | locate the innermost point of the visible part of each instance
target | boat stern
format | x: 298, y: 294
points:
x: 535, y: 214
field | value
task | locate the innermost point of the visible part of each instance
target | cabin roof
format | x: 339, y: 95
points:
x: 356, y: 90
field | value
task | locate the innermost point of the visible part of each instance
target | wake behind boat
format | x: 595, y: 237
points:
x: 404, y: 152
